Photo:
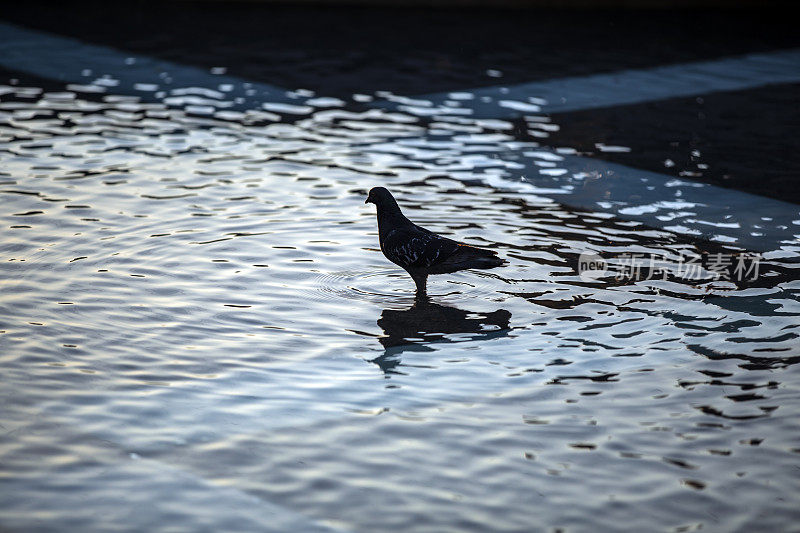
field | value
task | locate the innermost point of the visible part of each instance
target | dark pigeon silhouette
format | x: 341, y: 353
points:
x: 419, y: 251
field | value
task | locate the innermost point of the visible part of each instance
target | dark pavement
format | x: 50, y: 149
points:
x: 745, y: 139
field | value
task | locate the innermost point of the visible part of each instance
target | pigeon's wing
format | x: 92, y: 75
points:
x: 414, y: 247
x: 465, y: 257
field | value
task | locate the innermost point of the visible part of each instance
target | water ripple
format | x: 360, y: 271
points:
x: 203, y: 289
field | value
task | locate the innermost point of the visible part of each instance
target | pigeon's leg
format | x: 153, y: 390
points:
x: 421, y: 280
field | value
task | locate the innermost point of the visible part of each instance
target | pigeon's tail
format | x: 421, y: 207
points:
x: 468, y: 257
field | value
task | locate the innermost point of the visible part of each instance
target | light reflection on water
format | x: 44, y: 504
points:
x: 204, y: 296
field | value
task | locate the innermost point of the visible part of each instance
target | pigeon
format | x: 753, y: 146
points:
x: 419, y: 251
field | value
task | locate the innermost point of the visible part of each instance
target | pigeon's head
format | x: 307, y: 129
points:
x: 380, y: 196
x: 385, y: 202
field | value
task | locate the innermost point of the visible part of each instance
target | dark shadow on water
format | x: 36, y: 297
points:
x: 425, y: 323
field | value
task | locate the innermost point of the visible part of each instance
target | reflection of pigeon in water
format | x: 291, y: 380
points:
x: 419, y: 251
x: 426, y: 324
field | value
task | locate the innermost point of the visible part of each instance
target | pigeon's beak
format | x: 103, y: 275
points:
x: 368, y: 200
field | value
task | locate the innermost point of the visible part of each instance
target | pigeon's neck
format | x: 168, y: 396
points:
x: 390, y: 216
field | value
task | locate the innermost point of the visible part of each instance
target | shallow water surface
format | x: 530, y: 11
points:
x: 199, y: 331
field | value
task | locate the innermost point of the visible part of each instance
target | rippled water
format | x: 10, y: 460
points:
x: 196, y: 319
